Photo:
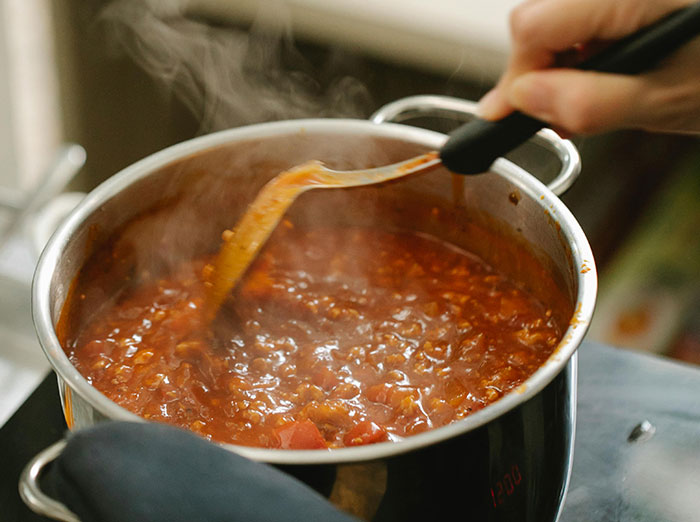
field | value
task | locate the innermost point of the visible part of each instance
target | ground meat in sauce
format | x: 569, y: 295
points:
x: 336, y: 337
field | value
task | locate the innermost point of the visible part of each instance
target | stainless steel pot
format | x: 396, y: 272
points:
x: 160, y: 199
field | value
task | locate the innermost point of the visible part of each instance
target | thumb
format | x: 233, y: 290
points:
x: 580, y: 102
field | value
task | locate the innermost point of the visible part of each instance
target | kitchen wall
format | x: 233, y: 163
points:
x: 29, y: 111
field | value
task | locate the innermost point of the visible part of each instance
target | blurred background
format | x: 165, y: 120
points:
x: 126, y: 78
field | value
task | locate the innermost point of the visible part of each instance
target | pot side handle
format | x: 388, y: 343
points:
x: 456, y: 108
x: 30, y: 490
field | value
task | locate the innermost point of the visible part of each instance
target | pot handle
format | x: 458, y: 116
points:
x: 449, y: 107
x: 30, y: 490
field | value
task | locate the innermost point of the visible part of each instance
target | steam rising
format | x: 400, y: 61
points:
x: 228, y: 76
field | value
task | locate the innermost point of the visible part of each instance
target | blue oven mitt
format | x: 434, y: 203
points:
x: 128, y: 471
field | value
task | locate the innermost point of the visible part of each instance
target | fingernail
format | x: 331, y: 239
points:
x: 532, y: 96
x: 489, y: 104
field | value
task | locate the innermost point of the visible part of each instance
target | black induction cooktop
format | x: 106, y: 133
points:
x: 637, y: 449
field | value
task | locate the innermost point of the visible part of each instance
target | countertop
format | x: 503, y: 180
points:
x: 620, y: 474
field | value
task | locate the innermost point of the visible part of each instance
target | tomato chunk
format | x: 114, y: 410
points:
x: 326, y: 378
x: 300, y: 435
x: 365, y: 432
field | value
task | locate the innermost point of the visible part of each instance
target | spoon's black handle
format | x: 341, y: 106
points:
x: 473, y: 147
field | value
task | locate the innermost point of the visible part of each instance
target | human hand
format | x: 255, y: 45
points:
x: 666, y: 98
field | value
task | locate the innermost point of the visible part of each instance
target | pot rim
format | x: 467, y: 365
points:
x: 582, y: 259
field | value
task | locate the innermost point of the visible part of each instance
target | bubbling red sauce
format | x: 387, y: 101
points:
x: 335, y: 337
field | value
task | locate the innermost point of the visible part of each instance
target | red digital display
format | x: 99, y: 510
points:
x: 506, y: 486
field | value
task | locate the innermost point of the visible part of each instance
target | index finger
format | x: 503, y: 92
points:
x: 542, y: 29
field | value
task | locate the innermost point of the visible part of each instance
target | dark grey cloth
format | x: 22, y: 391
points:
x: 124, y: 471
